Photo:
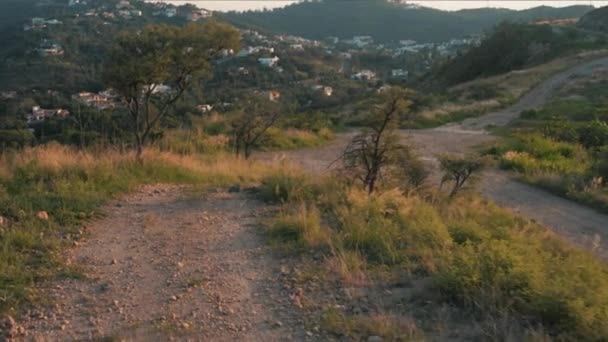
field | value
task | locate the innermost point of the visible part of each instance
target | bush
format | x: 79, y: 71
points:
x: 533, y: 153
x: 299, y: 227
x: 594, y: 134
x: 288, y: 185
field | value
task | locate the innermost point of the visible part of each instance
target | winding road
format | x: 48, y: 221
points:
x: 574, y: 222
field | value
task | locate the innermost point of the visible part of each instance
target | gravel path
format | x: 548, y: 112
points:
x: 166, y: 266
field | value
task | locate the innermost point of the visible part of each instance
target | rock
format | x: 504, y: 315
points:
x: 9, y: 326
x: 43, y: 215
x: 114, y: 262
x: 185, y: 325
x: 235, y: 188
x: 284, y: 270
x: 180, y: 264
x: 375, y: 339
x: 278, y: 324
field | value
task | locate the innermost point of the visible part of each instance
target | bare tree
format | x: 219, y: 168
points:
x: 459, y: 170
x: 251, y: 123
x: 377, y: 148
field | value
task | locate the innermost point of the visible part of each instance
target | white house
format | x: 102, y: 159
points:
x: 199, y: 14
x: 170, y: 12
x: 399, y: 73
x: 269, y: 62
x: 123, y: 4
x: 204, y: 108
x: 326, y: 90
x: 297, y: 47
x: 364, y: 75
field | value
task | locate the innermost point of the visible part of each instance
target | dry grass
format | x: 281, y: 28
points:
x: 70, y: 185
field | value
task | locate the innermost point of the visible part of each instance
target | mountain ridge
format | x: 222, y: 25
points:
x: 388, y: 21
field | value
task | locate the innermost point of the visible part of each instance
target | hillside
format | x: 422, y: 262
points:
x: 515, y: 46
x: 387, y: 21
x: 596, y: 20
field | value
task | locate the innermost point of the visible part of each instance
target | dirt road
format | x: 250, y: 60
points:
x: 164, y: 266
x: 575, y: 222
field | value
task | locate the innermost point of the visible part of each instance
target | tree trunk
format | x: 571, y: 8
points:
x: 247, y: 151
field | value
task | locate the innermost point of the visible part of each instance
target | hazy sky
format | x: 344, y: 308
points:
x: 239, y: 5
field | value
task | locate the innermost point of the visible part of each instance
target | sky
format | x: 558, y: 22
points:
x: 450, y: 5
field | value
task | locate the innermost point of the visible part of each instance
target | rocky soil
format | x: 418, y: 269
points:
x: 168, y: 265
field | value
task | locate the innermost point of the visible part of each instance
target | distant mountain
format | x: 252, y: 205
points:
x: 596, y: 20
x: 388, y: 20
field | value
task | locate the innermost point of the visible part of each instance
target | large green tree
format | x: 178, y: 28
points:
x: 152, y: 68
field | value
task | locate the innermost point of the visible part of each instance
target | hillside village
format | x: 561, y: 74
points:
x: 270, y: 51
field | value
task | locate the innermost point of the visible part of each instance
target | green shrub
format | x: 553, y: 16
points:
x: 468, y: 232
x: 300, y: 227
x: 594, y: 134
x: 533, y: 153
x: 286, y: 186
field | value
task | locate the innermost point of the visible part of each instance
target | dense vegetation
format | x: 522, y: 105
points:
x: 564, y: 146
x: 388, y: 21
x: 514, y: 46
x: 596, y: 20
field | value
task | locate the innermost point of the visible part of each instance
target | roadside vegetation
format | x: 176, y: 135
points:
x: 452, y: 260
x: 447, y: 260
x: 563, y: 147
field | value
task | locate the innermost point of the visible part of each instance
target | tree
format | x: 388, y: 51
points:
x: 251, y: 122
x: 377, y: 148
x: 458, y: 170
x: 152, y: 69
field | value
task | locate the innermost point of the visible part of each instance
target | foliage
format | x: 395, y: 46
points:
x: 378, y: 148
x: 533, y: 153
x: 140, y: 64
x: 513, y: 46
x: 251, y: 122
x: 459, y: 170
x: 481, y: 258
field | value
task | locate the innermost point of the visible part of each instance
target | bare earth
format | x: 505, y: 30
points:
x: 579, y: 224
x: 163, y: 266
x: 167, y: 265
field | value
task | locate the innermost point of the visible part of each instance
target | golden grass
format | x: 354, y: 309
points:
x: 55, y: 158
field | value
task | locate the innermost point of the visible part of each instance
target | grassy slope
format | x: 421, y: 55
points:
x: 505, y: 276
x: 506, y: 88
